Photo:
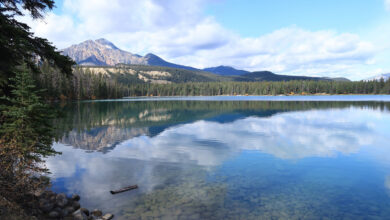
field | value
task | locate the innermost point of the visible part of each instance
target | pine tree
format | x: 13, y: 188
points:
x: 26, y: 137
x: 19, y: 46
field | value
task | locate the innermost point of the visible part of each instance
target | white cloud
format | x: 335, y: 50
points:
x: 179, y: 32
x: 291, y: 50
x: 103, y: 17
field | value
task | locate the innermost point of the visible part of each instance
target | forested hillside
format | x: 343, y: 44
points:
x: 140, y: 80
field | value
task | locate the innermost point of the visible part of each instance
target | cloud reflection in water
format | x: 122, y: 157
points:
x: 288, y: 136
x: 189, y: 150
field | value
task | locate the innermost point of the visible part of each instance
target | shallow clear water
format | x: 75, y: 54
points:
x: 228, y: 157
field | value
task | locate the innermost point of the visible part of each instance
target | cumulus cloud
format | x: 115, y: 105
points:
x: 179, y: 32
x: 103, y: 17
x: 291, y: 50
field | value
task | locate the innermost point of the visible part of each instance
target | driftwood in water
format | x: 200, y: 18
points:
x: 123, y: 189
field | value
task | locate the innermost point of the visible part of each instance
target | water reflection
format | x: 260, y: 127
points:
x: 102, y: 125
x: 287, y: 136
x: 101, y: 139
x: 227, y: 160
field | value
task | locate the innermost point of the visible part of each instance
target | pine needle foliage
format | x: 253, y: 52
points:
x: 26, y: 136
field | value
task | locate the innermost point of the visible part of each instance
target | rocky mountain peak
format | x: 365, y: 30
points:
x: 151, y: 57
x: 106, y: 43
x: 102, y: 52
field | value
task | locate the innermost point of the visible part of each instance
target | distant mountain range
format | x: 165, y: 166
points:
x: 225, y: 71
x: 102, y: 53
x: 385, y: 77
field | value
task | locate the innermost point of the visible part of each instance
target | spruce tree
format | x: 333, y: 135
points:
x: 19, y: 46
x: 26, y: 137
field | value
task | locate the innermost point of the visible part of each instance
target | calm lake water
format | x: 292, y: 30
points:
x: 324, y: 157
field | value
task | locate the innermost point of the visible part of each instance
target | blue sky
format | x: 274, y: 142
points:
x: 301, y: 37
x: 261, y: 17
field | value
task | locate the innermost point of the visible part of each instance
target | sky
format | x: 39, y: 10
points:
x: 348, y: 38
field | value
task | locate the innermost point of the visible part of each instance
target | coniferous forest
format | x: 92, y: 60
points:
x: 88, y: 85
x: 259, y: 88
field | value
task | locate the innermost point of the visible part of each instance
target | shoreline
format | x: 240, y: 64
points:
x: 284, y: 98
x: 46, y: 205
x: 178, y: 96
x: 283, y: 95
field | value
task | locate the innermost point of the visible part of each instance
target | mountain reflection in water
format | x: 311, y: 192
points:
x: 227, y: 159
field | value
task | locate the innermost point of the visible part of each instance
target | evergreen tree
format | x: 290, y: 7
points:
x: 18, y: 45
x: 26, y: 137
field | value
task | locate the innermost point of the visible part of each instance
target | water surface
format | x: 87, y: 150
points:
x: 228, y: 157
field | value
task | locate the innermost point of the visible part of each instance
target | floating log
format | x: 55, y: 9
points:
x: 124, y: 189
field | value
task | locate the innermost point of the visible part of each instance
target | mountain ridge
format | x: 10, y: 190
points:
x: 225, y: 71
x: 384, y: 76
x: 102, y: 52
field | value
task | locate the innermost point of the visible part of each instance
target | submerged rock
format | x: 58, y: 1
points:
x: 54, y: 214
x: 45, y: 206
x: 75, y: 197
x: 47, y: 194
x: 79, y: 215
x: 76, y: 205
x: 108, y: 216
x: 61, y: 200
x: 59, y: 206
x: 69, y: 209
x: 57, y: 209
x: 64, y: 212
x: 86, y: 211
x: 97, y: 213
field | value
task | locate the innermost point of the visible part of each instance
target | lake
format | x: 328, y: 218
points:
x: 294, y: 157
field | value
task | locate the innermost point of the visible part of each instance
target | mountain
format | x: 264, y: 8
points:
x: 92, y: 61
x: 270, y: 76
x: 337, y: 79
x: 154, y: 60
x: 102, y: 52
x: 225, y: 71
x: 385, y: 76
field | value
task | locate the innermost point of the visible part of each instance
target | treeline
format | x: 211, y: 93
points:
x: 259, y: 88
x: 84, y: 84
x: 78, y: 86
